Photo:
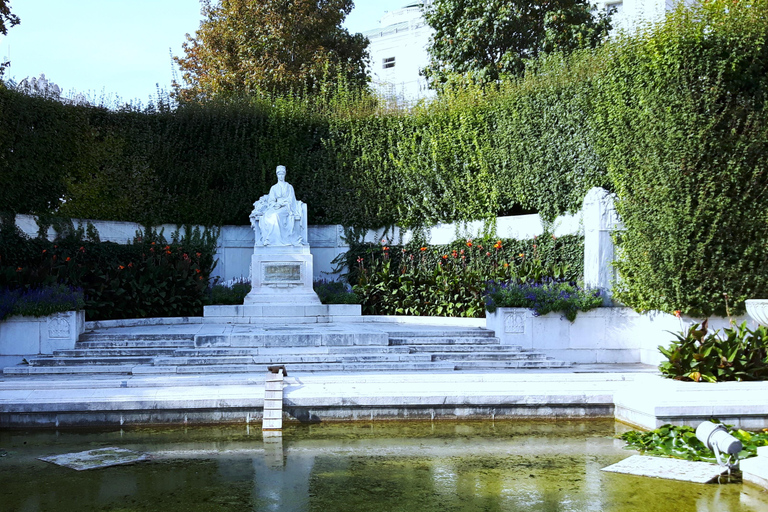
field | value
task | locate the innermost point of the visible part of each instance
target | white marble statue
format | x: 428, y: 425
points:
x: 277, y: 217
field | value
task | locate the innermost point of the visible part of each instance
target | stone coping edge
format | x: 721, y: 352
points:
x: 391, y: 319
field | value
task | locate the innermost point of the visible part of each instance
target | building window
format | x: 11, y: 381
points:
x: 389, y: 62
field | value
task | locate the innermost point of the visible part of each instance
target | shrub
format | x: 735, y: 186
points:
x: 230, y: 293
x: 335, y: 292
x: 422, y: 281
x: 550, y: 295
x: 151, y: 277
x: 41, y: 301
x: 738, y: 354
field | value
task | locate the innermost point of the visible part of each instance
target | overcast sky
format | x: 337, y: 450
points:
x: 118, y: 47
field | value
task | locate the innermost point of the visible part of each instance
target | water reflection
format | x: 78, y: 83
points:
x: 419, y: 467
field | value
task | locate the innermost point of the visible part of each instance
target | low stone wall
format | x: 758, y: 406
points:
x: 602, y: 335
x: 25, y: 336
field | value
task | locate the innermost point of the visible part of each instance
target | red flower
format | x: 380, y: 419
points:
x: 68, y: 258
x: 445, y: 256
x: 197, y: 270
x: 678, y: 314
x: 82, y: 249
x: 197, y: 254
x: 385, y: 248
x: 423, y: 249
x: 469, y: 243
x: 19, y: 269
x: 45, y: 251
x: 130, y: 265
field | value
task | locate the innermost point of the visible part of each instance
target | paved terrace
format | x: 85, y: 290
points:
x: 634, y: 394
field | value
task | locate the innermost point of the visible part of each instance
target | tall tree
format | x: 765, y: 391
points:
x: 7, y: 20
x: 491, y: 38
x: 273, y: 46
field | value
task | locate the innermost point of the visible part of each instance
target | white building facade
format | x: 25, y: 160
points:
x: 398, y: 52
x: 399, y: 46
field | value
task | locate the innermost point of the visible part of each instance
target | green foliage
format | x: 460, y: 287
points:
x: 40, y: 301
x: 334, y: 292
x: 7, y: 20
x: 549, y: 294
x: 738, y: 354
x: 445, y: 280
x: 680, y: 442
x: 149, y: 278
x: 229, y: 293
x: 270, y: 46
x: 489, y: 39
x: 683, y: 130
x: 672, y: 119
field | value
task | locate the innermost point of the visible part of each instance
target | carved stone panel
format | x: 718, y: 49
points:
x: 514, y: 323
x: 59, y: 328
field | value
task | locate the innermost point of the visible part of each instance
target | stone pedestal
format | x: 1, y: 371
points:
x: 600, y: 220
x: 282, y: 275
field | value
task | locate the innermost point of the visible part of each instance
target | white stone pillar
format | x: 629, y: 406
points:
x: 600, y: 220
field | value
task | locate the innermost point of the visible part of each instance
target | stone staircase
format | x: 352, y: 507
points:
x: 403, y: 350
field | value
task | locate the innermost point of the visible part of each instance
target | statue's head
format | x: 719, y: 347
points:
x: 280, y: 171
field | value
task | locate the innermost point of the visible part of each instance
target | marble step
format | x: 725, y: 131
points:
x: 446, y: 340
x: 101, y: 336
x: 486, y: 356
x: 89, y: 360
x: 511, y: 365
x: 461, y: 348
x: 116, y: 352
x: 288, y: 359
x: 136, y: 343
x: 64, y: 370
x: 436, y: 332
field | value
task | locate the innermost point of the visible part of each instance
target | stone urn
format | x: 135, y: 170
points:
x: 757, y: 309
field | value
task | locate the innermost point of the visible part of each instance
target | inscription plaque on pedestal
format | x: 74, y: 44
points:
x: 281, y: 273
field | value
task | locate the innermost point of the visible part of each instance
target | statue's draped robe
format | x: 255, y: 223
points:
x: 277, y: 222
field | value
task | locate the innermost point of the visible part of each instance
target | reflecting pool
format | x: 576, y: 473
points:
x: 380, y: 466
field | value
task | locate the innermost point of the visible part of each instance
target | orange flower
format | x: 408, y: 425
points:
x: 19, y: 269
x: 522, y: 255
x: 120, y: 267
x: 197, y: 254
x: 469, y: 243
x: 506, y: 265
x: 487, y: 254
x: 678, y: 314
x: 445, y: 256
x: 198, y: 270
x: 167, y: 252
x: 167, y: 247
x: 68, y: 258
x: 534, y: 246
x: 153, y: 243
x: 423, y: 249
x: 45, y: 251
x: 385, y: 248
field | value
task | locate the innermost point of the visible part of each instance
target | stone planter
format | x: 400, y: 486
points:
x: 25, y: 336
x: 757, y: 309
x: 602, y: 335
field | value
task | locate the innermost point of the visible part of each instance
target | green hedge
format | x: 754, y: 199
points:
x: 683, y: 130
x: 671, y: 119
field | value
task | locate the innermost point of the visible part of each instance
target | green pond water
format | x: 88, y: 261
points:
x: 380, y: 466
